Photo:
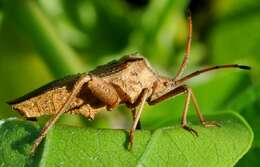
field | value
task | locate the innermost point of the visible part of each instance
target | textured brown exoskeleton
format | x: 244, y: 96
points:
x: 129, y: 80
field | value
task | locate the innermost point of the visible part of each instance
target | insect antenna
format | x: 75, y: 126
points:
x: 196, y: 73
x: 187, y: 48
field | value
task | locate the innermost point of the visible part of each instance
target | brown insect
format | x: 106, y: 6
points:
x: 129, y: 80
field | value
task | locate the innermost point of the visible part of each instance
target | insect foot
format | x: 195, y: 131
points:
x: 208, y: 124
x: 191, y: 130
x: 131, y: 140
x: 129, y: 146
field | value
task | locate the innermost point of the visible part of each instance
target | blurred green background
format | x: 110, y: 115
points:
x: 45, y: 40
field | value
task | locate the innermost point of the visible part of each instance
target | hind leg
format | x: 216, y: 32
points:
x: 65, y: 107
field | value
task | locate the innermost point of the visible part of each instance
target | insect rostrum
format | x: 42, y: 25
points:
x: 129, y: 80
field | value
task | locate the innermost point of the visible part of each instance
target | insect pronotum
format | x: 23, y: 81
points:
x: 129, y: 80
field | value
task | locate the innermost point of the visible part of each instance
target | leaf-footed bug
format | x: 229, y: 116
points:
x: 129, y: 80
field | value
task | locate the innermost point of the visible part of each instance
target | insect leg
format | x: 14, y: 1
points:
x: 190, y: 96
x: 105, y: 92
x: 82, y: 80
x: 199, y: 114
x: 137, y: 117
x: 187, y: 50
x: 179, y: 90
x: 185, y: 111
x: 172, y: 93
x: 134, y: 112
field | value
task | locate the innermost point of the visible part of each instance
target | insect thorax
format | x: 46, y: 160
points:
x: 129, y: 75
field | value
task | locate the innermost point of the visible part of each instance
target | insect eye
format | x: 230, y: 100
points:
x: 165, y: 83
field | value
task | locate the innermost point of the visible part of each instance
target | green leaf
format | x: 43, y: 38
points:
x: 14, y: 142
x: 247, y: 104
x: 72, y: 146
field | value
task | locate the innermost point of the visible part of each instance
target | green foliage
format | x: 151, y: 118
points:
x: 15, y: 138
x: 66, y: 145
x: 30, y: 19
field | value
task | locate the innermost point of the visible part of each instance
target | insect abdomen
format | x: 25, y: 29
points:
x: 45, y: 104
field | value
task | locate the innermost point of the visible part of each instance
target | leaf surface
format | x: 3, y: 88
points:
x: 73, y: 146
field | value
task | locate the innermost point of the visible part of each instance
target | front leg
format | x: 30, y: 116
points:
x: 190, y: 96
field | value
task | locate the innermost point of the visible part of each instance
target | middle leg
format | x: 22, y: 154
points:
x: 134, y: 113
x: 139, y: 110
